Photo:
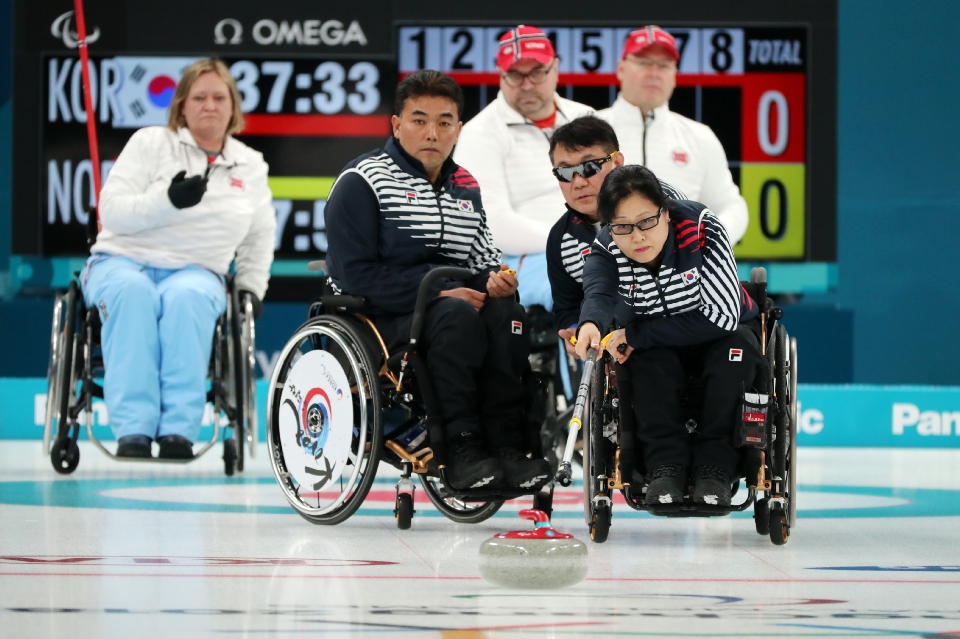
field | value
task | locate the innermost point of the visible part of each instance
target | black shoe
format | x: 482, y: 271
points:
x: 470, y: 465
x: 175, y: 447
x: 668, y: 485
x: 711, y: 485
x: 137, y: 446
x: 519, y: 471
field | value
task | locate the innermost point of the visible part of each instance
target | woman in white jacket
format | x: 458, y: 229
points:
x: 180, y: 203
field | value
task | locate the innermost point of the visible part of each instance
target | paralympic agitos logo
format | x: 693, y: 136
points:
x: 307, y: 32
x: 62, y: 28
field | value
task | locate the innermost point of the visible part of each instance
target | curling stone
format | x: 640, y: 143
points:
x: 541, y: 558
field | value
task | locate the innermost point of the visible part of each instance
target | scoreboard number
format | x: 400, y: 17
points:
x: 775, y: 197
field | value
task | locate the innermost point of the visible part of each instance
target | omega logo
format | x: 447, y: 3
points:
x: 225, y: 26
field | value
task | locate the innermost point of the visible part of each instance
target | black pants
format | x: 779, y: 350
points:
x: 660, y: 380
x: 476, y: 362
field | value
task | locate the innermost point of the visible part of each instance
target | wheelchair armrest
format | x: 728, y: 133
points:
x: 423, y: 294
x: 346, y: 302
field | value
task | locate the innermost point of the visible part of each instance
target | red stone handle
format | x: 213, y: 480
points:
x: 534, y: 515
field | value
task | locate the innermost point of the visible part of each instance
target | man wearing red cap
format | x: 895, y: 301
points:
x: 685, y: 153
x: 506, y: 148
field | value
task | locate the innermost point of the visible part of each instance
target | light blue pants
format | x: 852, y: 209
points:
x: 532, y: 274
x: 158, y: 327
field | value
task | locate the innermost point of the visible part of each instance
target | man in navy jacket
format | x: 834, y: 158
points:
x: 400, y: 211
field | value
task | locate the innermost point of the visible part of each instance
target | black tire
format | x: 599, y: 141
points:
x: 794, y: 427
x: 544, y: 501
x: 65, y: 455
x: 403, y: 511
x: 340, y: 336
x: 455, y: 509
x: 600, y: 526
x: 761, y: 516
x: 779, y: 528
x: 230, y: 459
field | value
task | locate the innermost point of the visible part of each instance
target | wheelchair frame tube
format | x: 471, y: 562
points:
x: 423, y: 293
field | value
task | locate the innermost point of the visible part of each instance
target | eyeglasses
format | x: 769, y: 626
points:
x: 586, y: 170
x: 645, y: 224
x: 537, y: 76
x: 648, y: 64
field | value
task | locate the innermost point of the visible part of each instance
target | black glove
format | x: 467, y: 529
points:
x: 186, y: 192
x: 257, y: 304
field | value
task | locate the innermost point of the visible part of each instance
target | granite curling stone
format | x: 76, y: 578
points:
x: 541, y: 558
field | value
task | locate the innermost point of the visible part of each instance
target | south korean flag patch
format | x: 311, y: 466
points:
x: 465, y: 206
x: 689, y: 277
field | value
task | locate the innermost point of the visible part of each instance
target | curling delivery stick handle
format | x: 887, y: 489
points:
x: 565, y: 470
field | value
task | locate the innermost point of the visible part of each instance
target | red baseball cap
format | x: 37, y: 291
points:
x: 650, y: 36
x: 524, y: 42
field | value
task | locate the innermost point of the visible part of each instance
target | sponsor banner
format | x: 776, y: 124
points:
x: 829, y: 415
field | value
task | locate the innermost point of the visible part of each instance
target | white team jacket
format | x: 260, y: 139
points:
x: 685, y: 153
x: 235, y: 216
x: 509, y: 156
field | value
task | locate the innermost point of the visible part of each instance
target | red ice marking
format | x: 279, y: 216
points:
x: 45, y: 560
x: 150, y: 560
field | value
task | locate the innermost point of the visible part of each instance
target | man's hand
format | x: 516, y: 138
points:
x: 565, y: 334
x: 475, y: 298
x: 588, y: 337
x: 617, y: 346
x: 502, y: 284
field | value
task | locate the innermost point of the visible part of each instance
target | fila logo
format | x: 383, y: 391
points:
x: 585, y: 252
x: 736, y: 354
x: 236, y: 183
x: 516, y: 328
x: 465, y: 205
x: 412, y: 197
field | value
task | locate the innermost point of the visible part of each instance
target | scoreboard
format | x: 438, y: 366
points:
x: 748, y: 84
x: 317, y: 84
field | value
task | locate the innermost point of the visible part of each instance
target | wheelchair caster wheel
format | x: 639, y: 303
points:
x: 761, y: 516
x: 779, y: 528
x: 65, y: 456
x: 404, y: 511
x: 600, y: 526
x: 543, y: 501
x: 229, y: 456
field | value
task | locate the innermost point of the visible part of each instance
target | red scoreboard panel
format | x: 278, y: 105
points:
x: 748, y: 84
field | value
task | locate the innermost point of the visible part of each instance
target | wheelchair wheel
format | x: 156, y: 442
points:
x: 779, y: 527
x: 324, y: 429
x: 230, y: 461
x: 594, y: 450
x: 57, y: 327
x: 600, y: 526
x: 462, y: 512
x: 761, y: 516
x: 245, y: 360
x: 403, y: 511
x: 64, y: 454
x: 794, y: 428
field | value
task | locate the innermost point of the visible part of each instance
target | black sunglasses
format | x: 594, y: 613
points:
x: 586, y: 170
x: 645, y: 224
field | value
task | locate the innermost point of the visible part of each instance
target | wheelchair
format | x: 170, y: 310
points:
x: 339, y: 403
x: 612, y: 460
x: 76, y: 363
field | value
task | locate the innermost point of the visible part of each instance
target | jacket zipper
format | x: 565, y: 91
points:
x: 647, y: 119
x: 436, y: 194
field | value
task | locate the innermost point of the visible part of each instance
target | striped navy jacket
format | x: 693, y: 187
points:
x: 387, y: 225
x: 693, y: 298
x: 567, y: 248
